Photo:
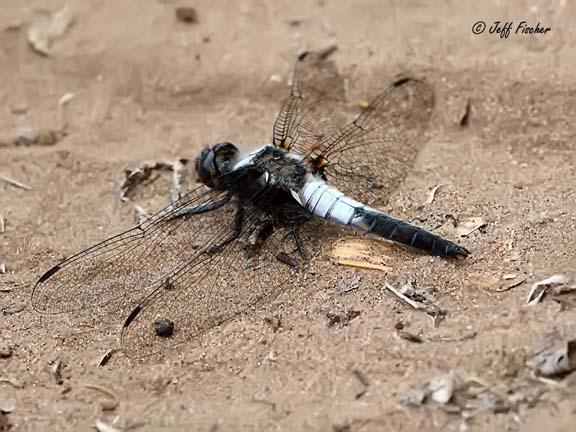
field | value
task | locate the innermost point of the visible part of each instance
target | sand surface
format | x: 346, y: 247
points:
x: 147, y: 87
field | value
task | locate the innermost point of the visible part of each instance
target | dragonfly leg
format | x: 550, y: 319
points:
x: 203, y: 208
x: 260, y: 234
x: 295, y: 232
x: 238, y: 222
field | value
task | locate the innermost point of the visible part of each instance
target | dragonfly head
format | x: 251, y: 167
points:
x: 215, y: 161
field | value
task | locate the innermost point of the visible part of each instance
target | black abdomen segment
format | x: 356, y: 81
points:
x: 397, y: 230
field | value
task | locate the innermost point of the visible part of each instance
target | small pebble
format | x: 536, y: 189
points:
x: 509, y: 276
x: 187, y: 15
x: 6, y: 407
x: 56, y: 370
x: 27, y: 135
x: 19, y: 109
x: 6, y: 351
x: 65, y: 99
x: 108, y: 405
x: 164, y: 327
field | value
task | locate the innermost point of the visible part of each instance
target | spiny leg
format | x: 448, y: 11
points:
x: 200, y: 209
x: 259, y: 235
x: 295, y: 232
x: 287, y: 258
x: 238, y: 222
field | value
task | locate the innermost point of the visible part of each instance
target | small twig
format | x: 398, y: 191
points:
x: 447, y: 339
x: 432, y: 194
x: 103, y: 427
x: 2, y: 224
x: 56, y: 370
x: 361, y: 377
x: 539, y: 289
x: 405, y: 298
x: 106, y: 357
x: 15, y: 183
x: 364, y: 265
x: 101, y: 389
x: 13, y: 383
x: 465, y: 119
x: 363, y: 380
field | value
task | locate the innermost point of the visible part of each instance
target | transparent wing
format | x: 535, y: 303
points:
x: 370, y: 156
x: 311, y: 111
x: 120, y: 271
x: 214, y: 288
x: 186, y: 265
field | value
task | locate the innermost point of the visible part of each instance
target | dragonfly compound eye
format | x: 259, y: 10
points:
x: 215, y: 161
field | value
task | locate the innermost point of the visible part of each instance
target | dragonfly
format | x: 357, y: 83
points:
x: 256, y: 219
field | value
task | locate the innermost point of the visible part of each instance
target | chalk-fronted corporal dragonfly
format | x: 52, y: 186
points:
x: 247, y: 230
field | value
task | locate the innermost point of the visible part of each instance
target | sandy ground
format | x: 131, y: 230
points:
x: 147, y: 87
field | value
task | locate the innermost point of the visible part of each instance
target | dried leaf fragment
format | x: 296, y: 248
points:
x: 56, y: 370
x: 539, y: 289
x: 362, y: 252
x: 467, y: 226
x: 432, y: 194
x: 47, y: 27
x: 135, y: 175
x: 417, y: 298
x: 441, y: 388
x: 416, y: 397
x: 555, y: 358
x: 103, y: 427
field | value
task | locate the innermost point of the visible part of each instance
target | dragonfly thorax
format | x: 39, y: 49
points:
x: 285, y: 169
